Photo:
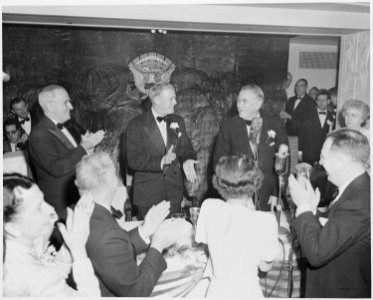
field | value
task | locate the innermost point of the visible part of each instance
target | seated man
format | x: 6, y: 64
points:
x: 15, y: 136
x: 112, y: 249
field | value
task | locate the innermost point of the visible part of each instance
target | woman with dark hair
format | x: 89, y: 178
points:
x: 31, y: 268
x: 240, y: 239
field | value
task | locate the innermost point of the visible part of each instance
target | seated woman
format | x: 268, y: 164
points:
x: 31, y: 268
x: 240, y: 239
x: 355, y: 114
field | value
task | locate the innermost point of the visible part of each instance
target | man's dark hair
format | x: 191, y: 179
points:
x: 333, y: 91
x: 304, y: 80
x: 323, y: 92
x: 12, y: 121
x: 15, y: 101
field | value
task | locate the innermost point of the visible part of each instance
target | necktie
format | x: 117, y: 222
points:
x: 60, y: 126
x: 24, y: 121
x: 248, y: 123
x: 117, y: 214
x: 161, y: 119
x: 322, y: 112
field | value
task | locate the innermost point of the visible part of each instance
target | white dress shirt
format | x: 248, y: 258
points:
x: 27, y: 125
x: 297, y: 101
x: 67, y: 134
x: 322, y: 117
x: 162, y: 126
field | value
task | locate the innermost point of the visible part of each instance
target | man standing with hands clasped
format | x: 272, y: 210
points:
x: 157, y: 145
x: 337, y: 244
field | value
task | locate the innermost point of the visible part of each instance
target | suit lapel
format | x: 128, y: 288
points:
x: 152, y: 130
x: 53, y: 129
x: 242, y: 128
x: 58, y: 133
x: 171, y: 135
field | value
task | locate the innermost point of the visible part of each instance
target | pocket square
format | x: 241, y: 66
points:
x: 271, y: 144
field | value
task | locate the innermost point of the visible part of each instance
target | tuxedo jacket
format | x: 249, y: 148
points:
x: 300, y: 113
x: 145, y: 149
x: 233, y: 139
x: 312, y: 135
x: 339, y: 252
x: 54, y: 159
x: 112, y: 251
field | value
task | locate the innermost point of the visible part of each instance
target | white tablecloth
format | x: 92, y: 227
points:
x: 16, y: 162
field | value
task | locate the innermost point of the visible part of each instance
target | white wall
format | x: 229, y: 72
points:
x: 321, y: 78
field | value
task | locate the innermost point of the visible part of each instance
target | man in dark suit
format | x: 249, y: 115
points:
x: 297, y: 108
x: 19, y: 108
x: 157, y: 145
x: 236, y: 137
x: 316, y: 125
x: 55, y: 152
x: 337, y: 244
x: 112, y: 249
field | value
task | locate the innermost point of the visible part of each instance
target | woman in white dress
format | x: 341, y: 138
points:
x: 31, y: 268
x: 240, y: 239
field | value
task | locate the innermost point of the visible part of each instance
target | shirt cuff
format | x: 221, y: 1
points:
x: 304, y: 208
x: 145, y: 239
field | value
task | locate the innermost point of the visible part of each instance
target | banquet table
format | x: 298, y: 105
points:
x: 187, y: 273
x: 16, y: 162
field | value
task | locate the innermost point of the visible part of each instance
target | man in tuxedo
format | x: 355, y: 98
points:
x: 157, y: 145
x: 55, y: 152
x: 237, y: 136
x: 19, y: 108
x: 112, y: 249
x: 337, y: 244
x: 314, y: 128
x: 15, y: 136
x: 297, y: 108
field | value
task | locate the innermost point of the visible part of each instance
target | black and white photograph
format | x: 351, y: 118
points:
x: 195, y: 149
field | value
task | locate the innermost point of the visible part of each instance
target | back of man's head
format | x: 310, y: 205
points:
x: 47, y: 94
x: 351, y: 143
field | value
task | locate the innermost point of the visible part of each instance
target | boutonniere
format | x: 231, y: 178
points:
x: 175, y: 127
x: 271, y: 134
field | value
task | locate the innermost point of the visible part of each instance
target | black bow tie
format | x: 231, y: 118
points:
x: 60, y: 125
x: 117, y: 214
x: 161, y: 119
x: 322, y: 112
x: 248, y: 122
x: 24, y: 121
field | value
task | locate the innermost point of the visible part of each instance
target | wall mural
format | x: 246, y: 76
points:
x: 107, y: 73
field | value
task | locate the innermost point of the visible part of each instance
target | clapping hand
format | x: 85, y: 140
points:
x: 189, y: 170
x: 154, y: 218
x: 167, y: 234
x: 76, y: 231
x: 303, y: 194
x: 169, y: 157
x: 91, y: 140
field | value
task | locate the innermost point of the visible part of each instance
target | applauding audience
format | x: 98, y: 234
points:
x: 113, y: 250
x: 240, y: 239
x: 31, y: 268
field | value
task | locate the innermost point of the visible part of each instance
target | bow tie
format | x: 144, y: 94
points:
x: 24, y: 121
x: 248, y: 122
x: 117, y: 214
x: 60, y: 125
x: 322, y: 112
x: 161, y: 119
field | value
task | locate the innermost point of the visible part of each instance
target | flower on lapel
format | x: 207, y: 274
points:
x: 271, y: 134
x: 175, y: 127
